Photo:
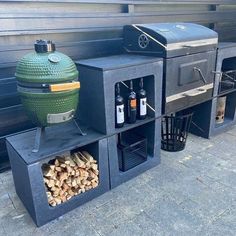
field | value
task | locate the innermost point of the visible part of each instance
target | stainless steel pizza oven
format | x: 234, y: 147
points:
x: 189, y: 52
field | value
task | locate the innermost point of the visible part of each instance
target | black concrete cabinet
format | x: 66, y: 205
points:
x: 205, y: 113
x: 98, y: 78
x: 97, y: 119
x: 28, y: 176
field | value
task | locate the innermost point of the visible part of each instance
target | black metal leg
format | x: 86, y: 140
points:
x: 80, y: 130
x: 37, y: 139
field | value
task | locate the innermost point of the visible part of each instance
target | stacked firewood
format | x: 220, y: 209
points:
x: 70, y: 175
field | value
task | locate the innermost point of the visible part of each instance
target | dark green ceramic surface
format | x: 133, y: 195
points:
x: 37, y: 68
x: 47, y: 68
x: 39, y: 105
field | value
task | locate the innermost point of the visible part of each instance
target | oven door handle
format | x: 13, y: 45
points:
x: 201, y: 74
x: 195, y: 93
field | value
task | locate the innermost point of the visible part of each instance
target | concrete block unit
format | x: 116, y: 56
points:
x: 151, y: 131
x: 98, y: 78
x: 28, y: 176
x: 204, y: 119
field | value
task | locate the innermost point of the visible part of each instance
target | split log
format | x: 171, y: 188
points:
x: 70, y: 175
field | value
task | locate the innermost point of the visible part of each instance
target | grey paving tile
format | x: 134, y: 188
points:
x: 223, y: 176
x: 6, y: 205
x: 126, y: 229
x: 147, y: 225
x: 217, y: 230
x: 228, y: 218
x: 6, y: 176
x: 180, y: 187
x: 17, y: 205
x: 2, y: 231
x: 206, y: 210
x: 232, y: 131
x: 107, y: 224
x: 225, y: 224
x: 173, y: 219
x: 198, y: 146
x: 223, y: 192
x: 17, y: 225
x: 76, y: 227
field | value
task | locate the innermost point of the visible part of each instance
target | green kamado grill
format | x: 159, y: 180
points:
x: 47, y: 82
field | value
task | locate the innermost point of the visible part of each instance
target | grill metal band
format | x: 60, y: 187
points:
x: 45, y: 88
x: 192, y: 44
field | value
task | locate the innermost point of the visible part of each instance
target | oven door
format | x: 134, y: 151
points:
x: 188, y: 80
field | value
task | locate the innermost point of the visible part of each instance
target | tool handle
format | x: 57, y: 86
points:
x: 64, y: 86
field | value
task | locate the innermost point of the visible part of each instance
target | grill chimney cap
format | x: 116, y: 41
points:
x: 44, y: 46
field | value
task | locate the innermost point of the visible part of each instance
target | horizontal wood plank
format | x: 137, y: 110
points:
x: 34, y: 24
x: 75, y: 50
x: 130, y: 1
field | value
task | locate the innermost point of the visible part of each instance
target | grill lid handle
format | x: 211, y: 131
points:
x: 44, y: 46
x: 64, y: 86
x: 201, y: 74
x: 196, y: 45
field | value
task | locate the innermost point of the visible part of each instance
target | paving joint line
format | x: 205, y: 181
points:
x: 217, y: 180
x: 11, y: 201
x: 219, y: 216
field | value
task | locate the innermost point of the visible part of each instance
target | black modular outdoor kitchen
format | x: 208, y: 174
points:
x: 189, y: 54
x: 168, y: 81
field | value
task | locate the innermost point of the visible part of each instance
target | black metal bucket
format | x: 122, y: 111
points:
x: 174, y: 132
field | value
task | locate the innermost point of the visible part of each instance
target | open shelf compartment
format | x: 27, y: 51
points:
x: 230, y: 109
x: 227, y: 83
x: 131, y: 150
x: 147, y: 133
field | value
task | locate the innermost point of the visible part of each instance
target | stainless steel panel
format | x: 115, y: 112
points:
x: 189, y: 72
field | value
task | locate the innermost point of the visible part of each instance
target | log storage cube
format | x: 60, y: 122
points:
x: 151, y: 132
x: 98, y: 77
x: 27, y: 168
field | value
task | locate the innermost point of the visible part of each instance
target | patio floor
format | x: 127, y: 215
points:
x: 192, y: 192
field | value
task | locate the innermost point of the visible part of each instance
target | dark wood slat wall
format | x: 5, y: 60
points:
x: 84, y: 29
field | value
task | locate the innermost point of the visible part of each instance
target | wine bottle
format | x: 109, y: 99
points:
x: 119, y: 108
x: 132, y: 105
x: 141, y: 102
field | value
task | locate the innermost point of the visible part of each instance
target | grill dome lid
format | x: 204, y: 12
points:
x: 45, y: 65
x: 169, y: 39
